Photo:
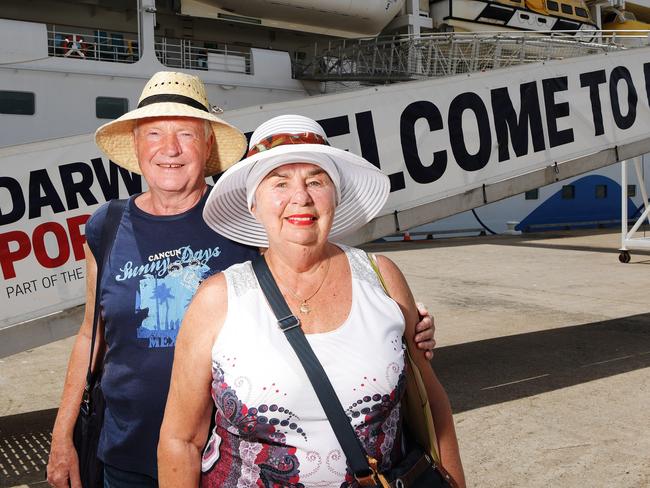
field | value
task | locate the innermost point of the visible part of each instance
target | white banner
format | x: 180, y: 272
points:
x: 441, y: 137
x: 434, y: 139
x: 47, y: 192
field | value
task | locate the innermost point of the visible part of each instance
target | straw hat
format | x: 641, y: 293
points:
x: 362, y: 189
x: 169, y: 94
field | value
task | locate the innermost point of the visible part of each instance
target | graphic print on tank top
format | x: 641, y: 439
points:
x: 250, y: 441
x: 248, y: 446
x: 167, y: 282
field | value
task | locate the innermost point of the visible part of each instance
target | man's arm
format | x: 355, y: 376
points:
x: 425, y: 330
x: 63, y: 464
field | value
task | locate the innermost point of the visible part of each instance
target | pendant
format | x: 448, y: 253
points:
x: 305, y: 308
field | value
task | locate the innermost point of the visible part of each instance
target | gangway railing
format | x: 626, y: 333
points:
x: 407, y: 57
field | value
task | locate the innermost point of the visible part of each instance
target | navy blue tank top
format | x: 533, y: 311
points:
x: 154, y: 269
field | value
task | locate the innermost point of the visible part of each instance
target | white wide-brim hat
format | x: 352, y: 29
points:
x: 171, y: 94
x: 362, y: 189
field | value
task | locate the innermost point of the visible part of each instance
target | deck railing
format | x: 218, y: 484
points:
x: 93, y: 44
x: 203, y: 55
x: 122, y: 47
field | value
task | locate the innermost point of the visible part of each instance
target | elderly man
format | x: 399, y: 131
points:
x: 162, y: 251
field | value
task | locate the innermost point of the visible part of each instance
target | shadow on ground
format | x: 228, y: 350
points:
x: 482, y: 373
x: 542, y: 240
x: 475, y: 374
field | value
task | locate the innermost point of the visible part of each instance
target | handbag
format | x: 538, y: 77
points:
x: 90, y: 420
x: 415, y: 404
x: 417, y: 469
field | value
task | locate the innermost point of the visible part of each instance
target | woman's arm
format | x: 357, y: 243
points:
x: 189, y: 405
x: 63, y: 464
x: 438, y: 400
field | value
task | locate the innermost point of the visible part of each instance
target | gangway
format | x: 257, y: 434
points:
x: 448, y: 144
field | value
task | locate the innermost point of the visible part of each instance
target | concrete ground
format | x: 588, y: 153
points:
x: 543, y: 346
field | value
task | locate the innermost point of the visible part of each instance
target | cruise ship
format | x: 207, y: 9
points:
x: 66, y: 67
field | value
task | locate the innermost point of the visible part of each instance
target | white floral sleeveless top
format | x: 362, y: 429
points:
x: 271, y: 430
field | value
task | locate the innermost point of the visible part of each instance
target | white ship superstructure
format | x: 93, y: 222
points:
x: 76, y: 65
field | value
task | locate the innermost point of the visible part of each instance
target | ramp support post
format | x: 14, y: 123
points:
x: 623, y: 206
x: 627, y: 236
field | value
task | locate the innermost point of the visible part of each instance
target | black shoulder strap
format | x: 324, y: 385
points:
x: 109, y: 231
x: 290, y: 325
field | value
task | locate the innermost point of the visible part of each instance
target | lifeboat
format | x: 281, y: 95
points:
x: 343, y: 18
x: 623, y: 22
x: 511, y: 15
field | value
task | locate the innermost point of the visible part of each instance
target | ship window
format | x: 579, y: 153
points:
x: 17, y: 103
x: 532, y: 194
x: 601, y: 191
x: 631, y: 190
x: 567, y: 9
x: 568, y: 192
x: 551, y: 5
x: 524, y: 16
x: 580, y: 12
x: 609, y: 17
x: 110, y: 107
x: 239, y: 18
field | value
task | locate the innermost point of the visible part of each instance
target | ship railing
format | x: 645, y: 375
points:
x: 92, y: 44
x: 203, y: 55
x: 407, y: 57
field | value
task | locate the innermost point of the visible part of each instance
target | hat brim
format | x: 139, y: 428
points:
x: 116, y: 137
x: 364, y: 191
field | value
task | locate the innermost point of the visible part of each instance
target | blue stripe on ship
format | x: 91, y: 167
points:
x: 584, y: 208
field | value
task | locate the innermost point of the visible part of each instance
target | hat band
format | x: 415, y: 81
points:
x: 166, y: 98
x: 276, y: 140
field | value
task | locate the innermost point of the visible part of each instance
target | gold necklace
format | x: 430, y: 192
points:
x: 304, y: 306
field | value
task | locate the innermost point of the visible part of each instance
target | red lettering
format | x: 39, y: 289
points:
x: 77, y: 239
x: 8, y: 257
x: 38, y: 240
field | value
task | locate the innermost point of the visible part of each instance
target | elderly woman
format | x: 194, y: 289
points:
x: 295, y: 194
